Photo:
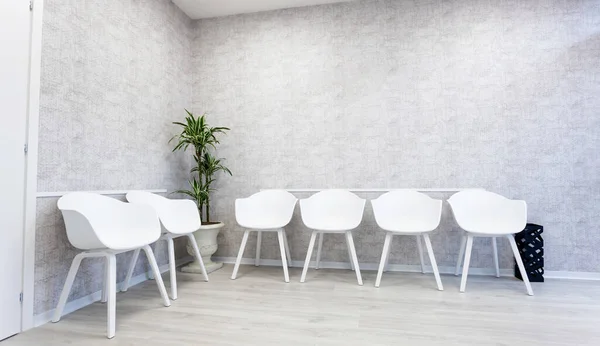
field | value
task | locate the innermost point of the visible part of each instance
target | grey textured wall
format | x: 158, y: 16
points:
x: 495, y: 94
x: 115, y: 74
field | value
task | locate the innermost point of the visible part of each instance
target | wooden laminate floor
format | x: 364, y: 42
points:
x: 331, y: 309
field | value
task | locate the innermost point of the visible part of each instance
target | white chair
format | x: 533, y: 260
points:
x: 265, y: 211
x: 179, y: 218
x: 486, y: 214
x: 332, y: 211
x: 406, y: 212
x: 104, y: 227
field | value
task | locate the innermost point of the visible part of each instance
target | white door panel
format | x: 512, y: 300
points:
x: 14, y: 79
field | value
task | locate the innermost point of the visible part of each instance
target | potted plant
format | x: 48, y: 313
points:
x: 196, y: 133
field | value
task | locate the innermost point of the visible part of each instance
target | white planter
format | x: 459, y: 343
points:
x: 206, y: 237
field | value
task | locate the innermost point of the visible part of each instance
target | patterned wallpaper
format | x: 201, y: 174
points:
x: 495, y: 94
x: 115, y: 74
x: 466, y: 93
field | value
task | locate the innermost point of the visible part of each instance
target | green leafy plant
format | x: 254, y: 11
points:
x: 195, y: 132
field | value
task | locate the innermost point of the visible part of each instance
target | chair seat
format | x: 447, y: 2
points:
x: 332, y: 225
x: 263, y: 226
x: 332, y: 230
x: 181, y: 231
x: 406, y: 232
x: 128, y: 238
x: 262, y: 229
x: 499, y: 230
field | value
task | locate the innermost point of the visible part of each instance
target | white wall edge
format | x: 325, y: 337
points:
x: 74, y: 305
x: 441, y: 189
x: 31, y: 169
x: 415, y: 268
x: 100, y: 192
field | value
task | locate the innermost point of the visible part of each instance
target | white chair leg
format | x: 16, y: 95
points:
x: 283, y: 255
x: 240, y: 254
x: 463, y: 281
x: 350, y: 256
x: 353, y: 257
x: 159, y: 281
x: 311, y: 246
x: 150, y: 273
x: 287, y: 249
x: 384, y: 255
x: 319, y: 250
x: 513, y: 245
x: 132, y: 263
x: 172, y: 267
x: 496, y: 264
x: 198, y: 255
x: 387, y: 257
x: 105, y: 282
x: 420, y: 248
x: 67, y: 287
x: 258, y: 245
x: 112, y: 296
x: 434, y: 266
x: 461, y: 254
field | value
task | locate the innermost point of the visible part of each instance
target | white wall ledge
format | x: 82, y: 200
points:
x: 100, y: 192
x: 439, y: 189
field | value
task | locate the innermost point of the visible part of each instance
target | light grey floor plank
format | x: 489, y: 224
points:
x: 331, y: 309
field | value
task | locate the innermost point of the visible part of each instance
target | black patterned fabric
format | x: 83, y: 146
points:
x: 531, y: 247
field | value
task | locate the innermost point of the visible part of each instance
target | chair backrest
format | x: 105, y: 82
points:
x: 266, y: 209
x: 332, y: 210
x: 481, y: 211
x: 94, y: 221
x: 177, y: 216
x: 407, y: 211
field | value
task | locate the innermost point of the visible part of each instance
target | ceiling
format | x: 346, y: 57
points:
x: 197, y: 9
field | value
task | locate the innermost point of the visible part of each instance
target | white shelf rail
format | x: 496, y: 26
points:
x: 440, y: 189
x: 100, y: 192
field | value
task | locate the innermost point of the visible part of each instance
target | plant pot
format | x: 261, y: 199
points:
x: 206, y: 237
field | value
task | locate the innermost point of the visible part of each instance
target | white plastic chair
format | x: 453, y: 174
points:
x: 179, y: 217
x: 332, y: 211
x: 265, y: 211
x: 104, y: 227
x: 486, y: 214
x: 406, y: 212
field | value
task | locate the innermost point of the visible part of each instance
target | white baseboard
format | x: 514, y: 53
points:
x: 552, y: 274
x: 416, y: 268
x: 367, y: 266
x: 77, y: 304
